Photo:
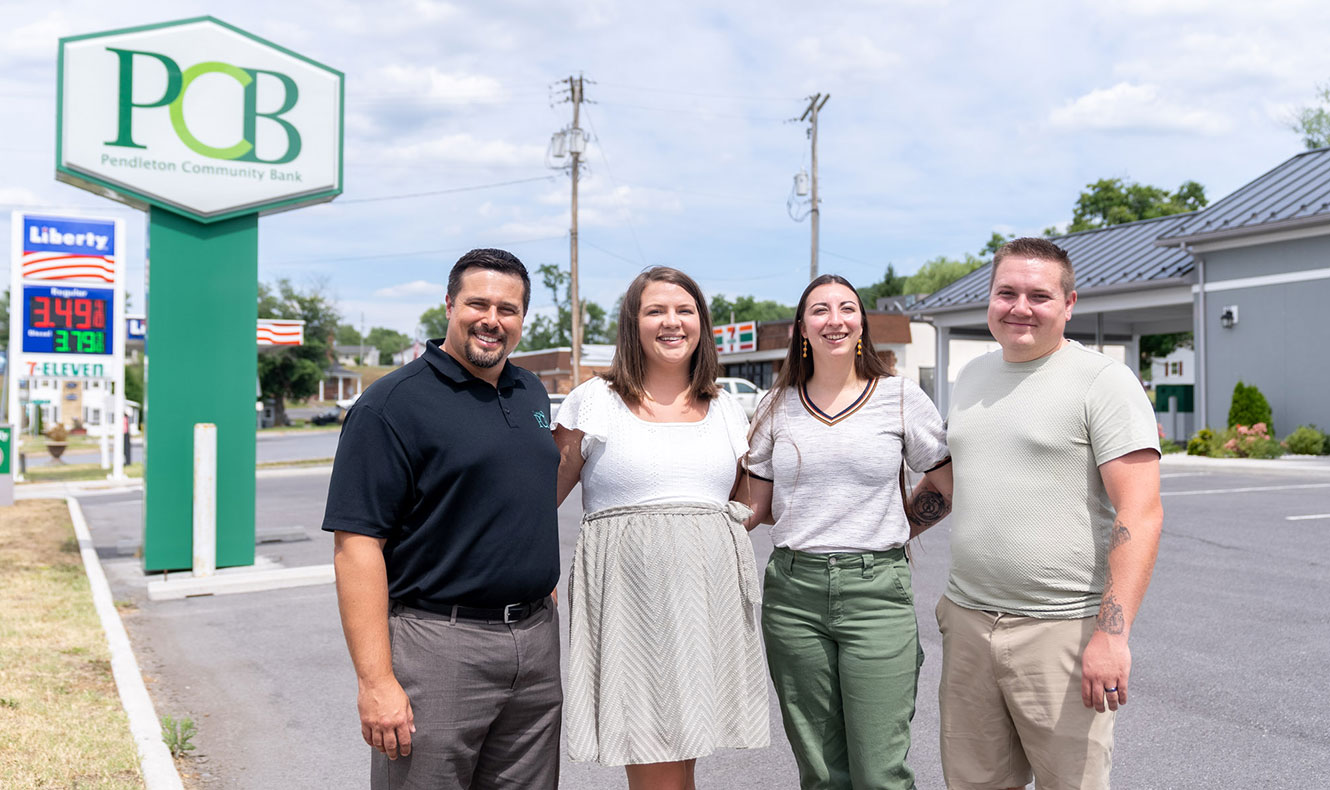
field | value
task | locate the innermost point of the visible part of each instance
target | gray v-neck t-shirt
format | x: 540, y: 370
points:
x: 835, y: 478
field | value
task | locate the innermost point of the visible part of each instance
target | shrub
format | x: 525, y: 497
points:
x: 1241, y: 441
x: 1306, y: 440
x: 1200, y: 443
x: 57, y: 433
x: 1249, y: 407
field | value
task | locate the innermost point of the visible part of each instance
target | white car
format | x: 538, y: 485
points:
x: 747, y: 393
x: 556, y: 400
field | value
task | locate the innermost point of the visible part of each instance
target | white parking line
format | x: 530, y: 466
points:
x: 1183, y: 474
x: 1307, y: 518
x: 1245, y: 490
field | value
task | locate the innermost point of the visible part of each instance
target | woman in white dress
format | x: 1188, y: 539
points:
x: 664, y: 664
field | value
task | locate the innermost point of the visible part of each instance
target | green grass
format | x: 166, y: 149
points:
x: 67, y: 473
x: 72, y: 473
x: 61, y: 724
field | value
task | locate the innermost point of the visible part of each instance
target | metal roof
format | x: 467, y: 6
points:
x: 1104, y: 258
x: 1294, y: 194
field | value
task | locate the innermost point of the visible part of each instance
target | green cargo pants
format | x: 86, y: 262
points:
x: 843, y: 649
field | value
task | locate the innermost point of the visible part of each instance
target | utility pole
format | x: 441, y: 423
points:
x: 815, y: 104
x: 572, y: 140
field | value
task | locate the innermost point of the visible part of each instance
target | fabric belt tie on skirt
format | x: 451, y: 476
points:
x: 734, y: 512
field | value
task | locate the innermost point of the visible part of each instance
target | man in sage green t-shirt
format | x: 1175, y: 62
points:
x: 1054, y: 532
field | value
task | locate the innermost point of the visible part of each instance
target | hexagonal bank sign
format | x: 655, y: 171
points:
x: 198, y: 117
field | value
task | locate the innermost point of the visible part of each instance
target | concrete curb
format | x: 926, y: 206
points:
x: 159, y: 771
x: 1287, y: 465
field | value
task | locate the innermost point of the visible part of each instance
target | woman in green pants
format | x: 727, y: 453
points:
x: 824, y: 468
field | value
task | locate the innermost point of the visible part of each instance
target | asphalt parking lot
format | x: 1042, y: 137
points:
x: 1230, y: 651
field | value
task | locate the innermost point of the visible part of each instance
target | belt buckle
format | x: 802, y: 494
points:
x: 508, y: 617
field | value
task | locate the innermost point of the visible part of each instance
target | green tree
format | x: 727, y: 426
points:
x: 1157, y: 346
x: 1249, y: 407
x: 891, y: 284
x: 294, y: 372
x: 941, y: 272
x: 747, y: 308
x: 554, y: 332
x: 997, y: 240
x: 434, y: 322
x: 347, y: 335
x: 4, y: 321
x: 388, y: 342
x: 1112, y: 201
x: 1313, y: 122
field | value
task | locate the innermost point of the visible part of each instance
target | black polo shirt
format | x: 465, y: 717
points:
x: 458, y: 477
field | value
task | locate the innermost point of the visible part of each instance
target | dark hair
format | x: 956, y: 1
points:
x: 628, y: 371
x: 1040, y: 249
x: 798, y: 369
x: 495, y: 260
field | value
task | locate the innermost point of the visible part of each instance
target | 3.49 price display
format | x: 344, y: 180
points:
x: 67, y: 320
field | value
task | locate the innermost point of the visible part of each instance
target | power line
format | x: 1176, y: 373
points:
x: 601, y: 149
x: 417, y: 253
x: 702, y: 95
x: 444, y: 191
x: 693, y: 111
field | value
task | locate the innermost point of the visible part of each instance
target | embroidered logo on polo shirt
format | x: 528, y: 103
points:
x: 541, y: 419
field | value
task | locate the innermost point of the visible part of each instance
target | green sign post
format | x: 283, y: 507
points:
x: 207, y: 127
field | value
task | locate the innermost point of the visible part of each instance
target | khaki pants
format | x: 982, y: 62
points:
x: 843, y: 648
x: 487, y: 703
x: 1011, y: 705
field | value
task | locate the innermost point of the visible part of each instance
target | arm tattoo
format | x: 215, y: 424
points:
x: 1110, y: 619
x: 1120, y: 535
x: 927, y: 508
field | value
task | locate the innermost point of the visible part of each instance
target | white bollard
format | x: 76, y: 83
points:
x: 108, y: 424
x: 205, y: 499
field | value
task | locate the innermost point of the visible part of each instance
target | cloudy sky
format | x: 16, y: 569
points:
x: 947, y: 121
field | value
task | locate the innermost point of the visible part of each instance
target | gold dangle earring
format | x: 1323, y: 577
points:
x: 805, y: 348
x: 859, y: 349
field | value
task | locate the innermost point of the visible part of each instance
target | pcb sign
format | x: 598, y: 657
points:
x: 198, y: 117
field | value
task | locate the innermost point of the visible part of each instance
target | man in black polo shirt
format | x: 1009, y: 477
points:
x: 442, y: 503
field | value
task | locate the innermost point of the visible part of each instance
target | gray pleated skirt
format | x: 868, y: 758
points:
x: 665, y: 659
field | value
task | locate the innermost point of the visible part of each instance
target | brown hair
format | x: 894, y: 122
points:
x: 628, y: 371
x: 1039, y: 249
x: 798, y: 369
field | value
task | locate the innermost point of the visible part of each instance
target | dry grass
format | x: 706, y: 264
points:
x: 61, y: 724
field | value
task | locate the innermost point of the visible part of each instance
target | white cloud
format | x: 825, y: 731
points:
x: 841, y: 52
x: 465, y: 148
x: 415, y: 288
x: 18, y: 196
x: 1128, y: 107
x: 428, y: 83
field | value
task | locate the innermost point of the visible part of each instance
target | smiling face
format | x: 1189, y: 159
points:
x: 1028, y: 309
x: 832, y: 322
x: 668, y: 325
x: 484, y: 321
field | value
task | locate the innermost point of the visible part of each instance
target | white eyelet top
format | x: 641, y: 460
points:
x: 630, y: 461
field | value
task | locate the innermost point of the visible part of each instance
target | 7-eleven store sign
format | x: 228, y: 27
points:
x: 733, y: 338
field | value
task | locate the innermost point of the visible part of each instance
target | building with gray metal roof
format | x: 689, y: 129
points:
x: 1248, y: 275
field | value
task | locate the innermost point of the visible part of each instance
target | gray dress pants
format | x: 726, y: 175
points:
x: 487, y: 702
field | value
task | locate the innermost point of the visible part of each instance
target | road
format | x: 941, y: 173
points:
x: 1229, y: 650
x: 269, y: 448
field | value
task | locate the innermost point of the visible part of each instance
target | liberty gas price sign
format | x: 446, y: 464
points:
x: 198, y: 117
x: 68, y: 293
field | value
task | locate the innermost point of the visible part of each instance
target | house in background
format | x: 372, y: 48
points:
x: 554, y: 366
x: 355, y: 354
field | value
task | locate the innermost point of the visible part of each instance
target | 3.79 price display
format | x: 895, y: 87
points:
x: 67, y: 320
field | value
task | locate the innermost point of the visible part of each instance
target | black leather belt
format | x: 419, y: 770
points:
x: 512, y: 613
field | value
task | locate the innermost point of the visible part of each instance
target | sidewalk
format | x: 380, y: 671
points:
x: 1289, y: 464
